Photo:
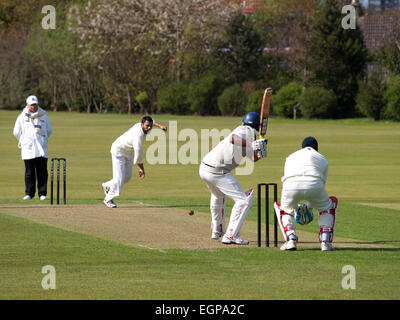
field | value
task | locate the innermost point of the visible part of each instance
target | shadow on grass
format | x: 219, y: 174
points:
x: 353, y: 249
x: 359, y: 245
x: 350, y: 245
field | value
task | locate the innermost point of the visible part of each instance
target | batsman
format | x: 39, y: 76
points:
x: 215, y: 171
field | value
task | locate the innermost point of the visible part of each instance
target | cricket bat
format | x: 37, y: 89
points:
x: 266, y: 102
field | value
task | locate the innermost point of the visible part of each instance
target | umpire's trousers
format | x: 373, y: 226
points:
x: 36, y: 169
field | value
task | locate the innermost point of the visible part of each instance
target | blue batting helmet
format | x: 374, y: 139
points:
x: 252, y: 119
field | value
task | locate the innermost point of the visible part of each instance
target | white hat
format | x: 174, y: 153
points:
x: 32, y: 100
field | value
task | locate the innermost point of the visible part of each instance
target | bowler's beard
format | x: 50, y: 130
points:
x: 146, y: 131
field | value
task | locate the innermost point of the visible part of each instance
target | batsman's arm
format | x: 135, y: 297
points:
x: 238, y: 141
x: 256, y: 157
x: 246, y: 145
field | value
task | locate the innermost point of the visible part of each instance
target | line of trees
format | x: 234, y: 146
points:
x: 194, y: 57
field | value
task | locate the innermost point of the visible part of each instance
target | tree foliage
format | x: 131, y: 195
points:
x: 203, y: 94
x: 286, y: 29
x: 232, y: 101
x: 156, y: 26
x: 254, y: 101
x: 17, y: 76
x: 71, y: 80
x: 106, y: 55
x: 239, y: 50
x: 287, y: 99
x: 17, y: 16
x: 392, y: 96
x: 389, y: 56
x: 338, y: 57
x: 371, y: 96
x: 174, y: 98
x: 318, y: 102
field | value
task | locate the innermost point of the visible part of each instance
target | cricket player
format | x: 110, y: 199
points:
x: 215, y: 171
x: 305, y: 175
x: 122, y: 150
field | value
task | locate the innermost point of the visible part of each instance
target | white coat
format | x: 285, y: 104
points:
x: 33, y: 140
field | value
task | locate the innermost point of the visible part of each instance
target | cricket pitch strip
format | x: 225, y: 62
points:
x: 154, y: 227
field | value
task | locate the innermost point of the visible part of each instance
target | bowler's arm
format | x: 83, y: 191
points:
x: 141, y: 170
x: 163, y: 128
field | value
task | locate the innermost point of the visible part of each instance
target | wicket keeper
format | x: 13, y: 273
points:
x: 305, y: 175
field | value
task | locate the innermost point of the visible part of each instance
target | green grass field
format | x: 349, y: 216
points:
x: 364, y: 158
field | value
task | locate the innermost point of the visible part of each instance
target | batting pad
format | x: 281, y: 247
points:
x: 327, y: 219
x: 286, y: 222
x: 217, y: 208
x: 239, y: 214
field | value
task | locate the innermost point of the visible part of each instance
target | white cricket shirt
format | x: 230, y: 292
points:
x: 129, y: 142
x: 225, y: 156
x: 304, y: 164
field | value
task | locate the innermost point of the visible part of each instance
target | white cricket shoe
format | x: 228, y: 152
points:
x: 232, y: 240
x: 42, y: 198
x: 289, y: 245
x: 327, y: 246
x: 105, y: 188
x: 27, y: 197
x: 215, y: 235
x: 110, y: 203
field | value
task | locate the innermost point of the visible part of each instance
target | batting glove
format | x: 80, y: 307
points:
x: 260, y: 146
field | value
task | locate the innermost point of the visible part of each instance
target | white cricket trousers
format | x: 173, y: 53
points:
x: 220, y: 186
x: 294, y: 191
x: 122, y: 173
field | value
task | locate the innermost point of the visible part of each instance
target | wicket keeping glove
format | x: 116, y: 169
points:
x: 304, y: 214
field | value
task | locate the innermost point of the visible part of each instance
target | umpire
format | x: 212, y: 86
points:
x: 32, y: 130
